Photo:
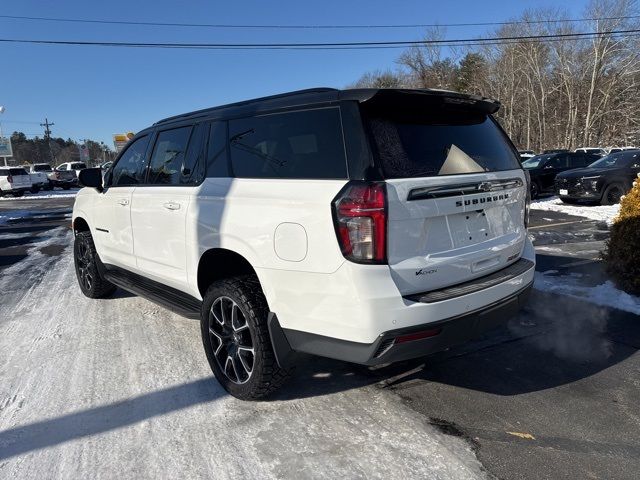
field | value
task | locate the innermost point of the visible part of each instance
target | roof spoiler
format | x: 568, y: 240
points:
x: 431, y: 97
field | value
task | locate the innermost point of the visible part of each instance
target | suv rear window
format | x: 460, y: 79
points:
x: 424, y: 143
x: 303, y: 144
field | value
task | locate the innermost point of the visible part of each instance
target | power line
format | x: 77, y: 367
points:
x: 310, y: 27
x: 333, y: 45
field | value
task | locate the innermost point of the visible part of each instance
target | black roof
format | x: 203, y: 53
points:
x: 327, y: 95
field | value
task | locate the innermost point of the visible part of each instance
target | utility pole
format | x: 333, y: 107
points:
x: 47, y: 137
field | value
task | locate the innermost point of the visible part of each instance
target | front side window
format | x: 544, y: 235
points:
x: 130, y: 168
x: 303, y: 144
x: 167, y: 166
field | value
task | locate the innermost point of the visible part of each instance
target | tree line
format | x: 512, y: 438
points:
x: 54, y: 151
x: 559, y: 93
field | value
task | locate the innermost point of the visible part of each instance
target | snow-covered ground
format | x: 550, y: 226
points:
x: 602, y: 213
x: 605, y: 294
x: 120, y: 388
x: 43, y: 194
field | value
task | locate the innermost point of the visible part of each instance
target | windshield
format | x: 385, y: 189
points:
x: 42, y: 168
x: 423, y: 143
x: 615, y: 160
x: 534, y: 162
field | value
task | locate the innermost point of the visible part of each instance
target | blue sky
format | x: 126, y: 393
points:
x: 93, y: 92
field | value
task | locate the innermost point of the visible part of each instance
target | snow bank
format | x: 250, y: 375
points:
x: 43, y: 194
x: 605, y: 295
x: 602, y: 213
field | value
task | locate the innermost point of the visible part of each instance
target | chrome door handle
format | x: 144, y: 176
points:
x: 171, y: 206
x: 123, y: 201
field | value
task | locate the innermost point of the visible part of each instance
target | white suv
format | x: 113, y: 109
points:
x: 368, y: 225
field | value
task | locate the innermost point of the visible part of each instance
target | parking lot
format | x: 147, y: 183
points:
x: 120, y: 387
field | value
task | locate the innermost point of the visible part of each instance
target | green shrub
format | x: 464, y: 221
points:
x: 622, y: 252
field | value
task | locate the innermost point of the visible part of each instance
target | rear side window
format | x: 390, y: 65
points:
x: 303, y: 144
x: 430, y: 142
x: 41, y: 168
x: 78, y: 166
x: 129, y: 169
x: 17, y: 171
x: 217, y: 162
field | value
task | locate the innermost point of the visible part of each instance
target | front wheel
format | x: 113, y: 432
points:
x: 612, y: 194
x: 86, y: 259
x: 535, y: 190
x: 236, y: 338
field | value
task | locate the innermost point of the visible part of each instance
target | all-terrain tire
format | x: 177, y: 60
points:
x: 91, y: 281
x: 266, y: 376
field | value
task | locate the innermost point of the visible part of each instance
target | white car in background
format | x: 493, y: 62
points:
x: 592, y: 150
x: 14, y: 181
x: 39, y: 173
x: 74, y: 167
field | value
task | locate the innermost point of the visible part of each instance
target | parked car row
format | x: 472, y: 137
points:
x: 583, y: 176
x: 39, y: 176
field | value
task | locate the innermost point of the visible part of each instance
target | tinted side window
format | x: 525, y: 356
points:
x: 305, y: 144
x: 168, y: 157
x: 129, y: 170
x: 217, y: 161
x: 577, y: 160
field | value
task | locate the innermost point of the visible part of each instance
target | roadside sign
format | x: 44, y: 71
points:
x: 121, y: 139
x: 5, y: 147
x: 84, y: 153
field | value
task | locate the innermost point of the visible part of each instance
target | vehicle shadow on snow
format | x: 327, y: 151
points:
x: 47, y: 433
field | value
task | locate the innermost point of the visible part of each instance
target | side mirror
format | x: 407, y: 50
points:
x: 91, y: 177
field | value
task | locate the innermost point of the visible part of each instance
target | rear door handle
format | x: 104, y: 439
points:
x: 171, y: 206
x: 123, y: 201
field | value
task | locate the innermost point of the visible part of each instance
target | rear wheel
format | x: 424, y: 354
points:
x: 66, y: 187
x: 612, y: 194
x: 35, y: 189
x: 85, y: 257
x: 236, y: 339
x: 17, y: 194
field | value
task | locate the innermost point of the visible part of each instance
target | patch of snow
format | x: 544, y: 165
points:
x: 605, y: 295
x: 43, y: 194
x: 602, y: 213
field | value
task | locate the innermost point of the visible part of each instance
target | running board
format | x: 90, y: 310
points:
x: 167, y: 297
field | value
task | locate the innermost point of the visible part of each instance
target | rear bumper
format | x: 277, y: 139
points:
x: 393, y: 346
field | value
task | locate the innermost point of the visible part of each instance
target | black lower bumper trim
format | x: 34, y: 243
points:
x: 453, y: 331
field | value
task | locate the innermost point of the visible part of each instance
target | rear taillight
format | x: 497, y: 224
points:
x: 57, y: 175
x: 10, y: 179
x: 360, y: 214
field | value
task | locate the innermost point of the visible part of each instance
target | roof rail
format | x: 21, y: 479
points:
x: 246, y: 102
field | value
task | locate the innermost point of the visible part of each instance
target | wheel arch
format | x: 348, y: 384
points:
x: 220, y: 263
x: 79, y: 224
